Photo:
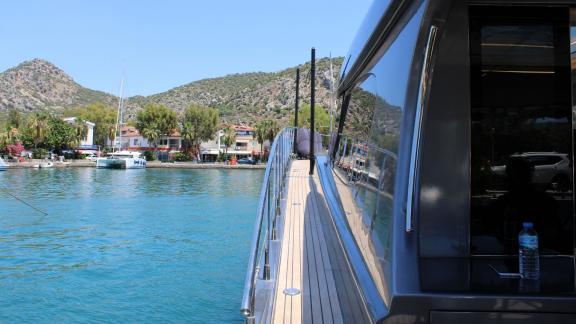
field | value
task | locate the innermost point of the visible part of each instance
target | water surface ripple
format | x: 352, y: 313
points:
x: 150, y: 245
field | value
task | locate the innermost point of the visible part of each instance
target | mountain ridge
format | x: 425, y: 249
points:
x: 38, y: 85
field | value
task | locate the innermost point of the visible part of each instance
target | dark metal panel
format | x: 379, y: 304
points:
x: 499, y: 317
x: 522, y: 2
x: 444, y: 178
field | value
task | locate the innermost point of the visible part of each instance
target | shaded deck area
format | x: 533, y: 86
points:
x: 307, y: 255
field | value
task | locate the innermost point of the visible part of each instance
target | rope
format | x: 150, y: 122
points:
x: 23, y: 201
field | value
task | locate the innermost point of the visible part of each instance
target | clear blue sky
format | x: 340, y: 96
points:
x: 163, y: 44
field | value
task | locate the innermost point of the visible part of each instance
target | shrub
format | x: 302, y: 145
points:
x: 14, y: 149
x: 39, y: 153
x: 181, y: 156
x: 149, y: 155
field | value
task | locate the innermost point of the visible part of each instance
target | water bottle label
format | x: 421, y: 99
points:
x: 529, y: 242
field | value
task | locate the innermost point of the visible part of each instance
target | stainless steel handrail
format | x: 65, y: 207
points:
x: 416, y: 137
x: 269, y: 202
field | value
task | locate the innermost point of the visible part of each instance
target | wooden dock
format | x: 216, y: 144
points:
x: 304, y: 258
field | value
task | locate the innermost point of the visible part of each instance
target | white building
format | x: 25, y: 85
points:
x: 132, y: 140
x: 246, y: 144
x: 87, y: 144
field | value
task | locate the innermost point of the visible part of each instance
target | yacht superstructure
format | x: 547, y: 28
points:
x: 455, y: 127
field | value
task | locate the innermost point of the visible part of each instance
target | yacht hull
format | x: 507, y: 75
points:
x: 128, y: 163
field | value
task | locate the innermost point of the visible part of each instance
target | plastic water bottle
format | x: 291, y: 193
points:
x: 529, y: 258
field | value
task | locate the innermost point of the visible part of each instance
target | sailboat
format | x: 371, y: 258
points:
x: 121, y: 159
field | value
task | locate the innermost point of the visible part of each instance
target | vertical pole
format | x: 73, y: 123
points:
x: 267, y: 247
x: 312, y: 90
x: 296, y: 110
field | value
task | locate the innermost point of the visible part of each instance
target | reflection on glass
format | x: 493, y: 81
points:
x: 366, y: 159
x: 521, y: 131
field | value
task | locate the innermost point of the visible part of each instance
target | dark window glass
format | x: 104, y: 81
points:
x: 522, y: 130
x: 366, y: 159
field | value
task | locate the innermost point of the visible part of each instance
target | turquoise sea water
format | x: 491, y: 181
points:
x: 134, y: 246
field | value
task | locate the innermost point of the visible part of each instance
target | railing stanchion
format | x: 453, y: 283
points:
x: 267, y: 250
x: 273, y: 221
x: 270, y: 193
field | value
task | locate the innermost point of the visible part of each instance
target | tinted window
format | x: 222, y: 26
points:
x: 521, y: 127
x: 366, y: 159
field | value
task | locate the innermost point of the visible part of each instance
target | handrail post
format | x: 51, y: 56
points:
x: 267, y: 248
x: 274, y: 176
x: 273, y: 222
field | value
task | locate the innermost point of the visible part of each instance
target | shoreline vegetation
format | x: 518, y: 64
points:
x: 152, y: 164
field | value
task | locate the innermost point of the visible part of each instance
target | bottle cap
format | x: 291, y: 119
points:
x: 527, y: 225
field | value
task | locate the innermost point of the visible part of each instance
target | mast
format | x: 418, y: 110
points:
x: 117, y: 131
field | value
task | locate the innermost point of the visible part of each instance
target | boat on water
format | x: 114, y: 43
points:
x: 449, y: 112
x: 3, y: 165
x: 122, y: 160
x: 44, y: 165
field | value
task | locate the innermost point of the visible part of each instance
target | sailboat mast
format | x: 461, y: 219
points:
x: 117, y: 132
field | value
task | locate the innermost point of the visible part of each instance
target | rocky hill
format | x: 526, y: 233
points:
x: 39, y: 85
x: 247, y: 97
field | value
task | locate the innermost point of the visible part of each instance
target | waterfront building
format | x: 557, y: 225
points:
x: 132, y: 140
x: 245, y: 145
x: 87, y: 144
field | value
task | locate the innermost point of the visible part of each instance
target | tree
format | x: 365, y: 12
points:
x: 14, y: 119
x: 104, y: 118
x: 36, y: 127
x: 228, y: 139
x: 80, y: 128
x: 59, y: 134
x: 321, y: 118
x: 156, y: 120
x: 266, y: 130
x: 271, y: 130
x: 198, y: 124
x: 261, y: 133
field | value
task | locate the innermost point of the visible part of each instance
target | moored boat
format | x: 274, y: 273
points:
x: 44, y: 165
x: 121, y: 160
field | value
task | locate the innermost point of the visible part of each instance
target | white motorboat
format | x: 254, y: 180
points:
x: 3, y: 165
x: 44, y: 165
x: 121, y: 160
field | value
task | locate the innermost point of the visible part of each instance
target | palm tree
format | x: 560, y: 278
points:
x: 37, y: 124
x: 152, y: 134
x: 228, y: 139
x: 81, y: 129
x: 271, y: 130
x: 261, y: 133
x: 111, y: 130
x: 188, y: 136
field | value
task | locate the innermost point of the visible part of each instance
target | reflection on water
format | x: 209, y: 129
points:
x: 125, y: 245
